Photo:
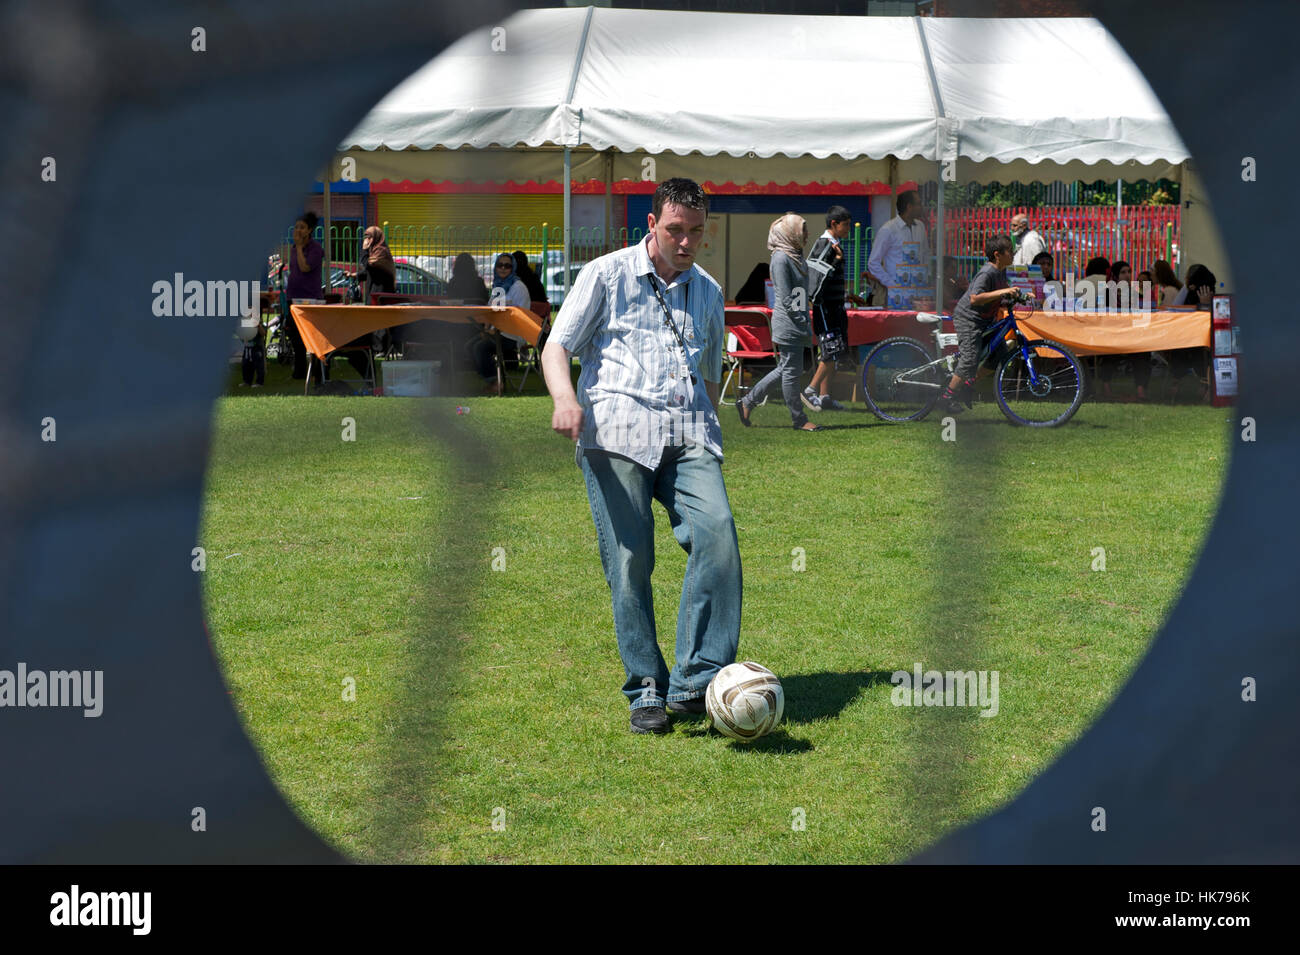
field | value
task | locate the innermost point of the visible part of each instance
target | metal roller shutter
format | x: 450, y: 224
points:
x: 436, y: 224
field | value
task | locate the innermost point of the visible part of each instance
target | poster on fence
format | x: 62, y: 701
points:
x: 1028, y: 278
x: 1225, y: 377
x: 913, y: 281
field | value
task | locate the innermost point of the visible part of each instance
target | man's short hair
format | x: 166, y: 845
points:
x: 680, y: 192
x: 837, y: 214
x: 1097, y: 265
x: 999, y: 243
x: 1042, y: 257
x: 907, y: 199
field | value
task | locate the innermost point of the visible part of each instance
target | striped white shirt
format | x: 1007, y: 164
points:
x: 635, y: 388
x: 887, y: 249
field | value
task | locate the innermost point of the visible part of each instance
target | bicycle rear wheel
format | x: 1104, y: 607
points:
x: 900, y: 380
x: 1044, y: 391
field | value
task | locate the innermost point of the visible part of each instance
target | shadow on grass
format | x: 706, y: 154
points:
x: 778, y: 741
x: 816, y: 696
x: 876, y: 423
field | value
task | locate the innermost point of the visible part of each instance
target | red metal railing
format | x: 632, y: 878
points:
x: 1074, y: 234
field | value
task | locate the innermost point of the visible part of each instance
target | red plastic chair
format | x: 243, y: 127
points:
x: 753, y: 343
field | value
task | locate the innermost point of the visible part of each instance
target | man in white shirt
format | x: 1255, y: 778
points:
x: 887, y: 249
x: 647, y: 324
x: 1029, y: 243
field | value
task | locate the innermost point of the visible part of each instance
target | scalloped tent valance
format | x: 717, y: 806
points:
x: 660, y: 82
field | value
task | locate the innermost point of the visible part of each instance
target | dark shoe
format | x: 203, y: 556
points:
x: 693, y: 707
x: 950, y: 403
x: 650, y: 719
x: 811, y: 402
x: 743, y: 410
x: 805, y: 427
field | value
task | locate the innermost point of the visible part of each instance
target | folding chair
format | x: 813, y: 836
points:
x: 753, y: 342
x: 530, y: 357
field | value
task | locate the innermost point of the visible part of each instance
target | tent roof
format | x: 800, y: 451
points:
x: 1056, y: 90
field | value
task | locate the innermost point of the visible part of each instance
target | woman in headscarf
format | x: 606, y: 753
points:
x: 377, y: 272
x: 512, y: 287
x: 377, y: 262
x: 507, y: 290
x: 791, y: 328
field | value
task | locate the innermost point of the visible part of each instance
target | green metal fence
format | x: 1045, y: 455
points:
x: 425, y: 254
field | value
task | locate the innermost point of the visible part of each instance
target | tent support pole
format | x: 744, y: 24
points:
x: 1119, y: 217
x: 938, y: 243
x: 609, y: 199
x: 568, y: 214
x: 329, y: 249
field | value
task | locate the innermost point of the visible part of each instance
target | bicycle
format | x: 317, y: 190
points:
x: 1038, y: 383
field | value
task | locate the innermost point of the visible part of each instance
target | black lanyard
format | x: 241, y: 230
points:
x: 668, y: 316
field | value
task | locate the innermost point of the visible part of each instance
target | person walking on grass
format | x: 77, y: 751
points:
x: 791, y: 332
x: 830, y: 321
x: 647, y: 324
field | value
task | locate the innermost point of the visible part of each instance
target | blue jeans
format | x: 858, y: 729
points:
x: 787, y: 372
x: 688, y: 483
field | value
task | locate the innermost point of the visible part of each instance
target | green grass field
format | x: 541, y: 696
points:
x: 488, y: 725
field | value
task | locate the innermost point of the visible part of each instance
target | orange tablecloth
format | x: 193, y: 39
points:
x: 1085, y: 333
x: 327, y: 327
x: 1121, y: 333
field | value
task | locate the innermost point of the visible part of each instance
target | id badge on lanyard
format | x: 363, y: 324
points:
x: 684, y: 393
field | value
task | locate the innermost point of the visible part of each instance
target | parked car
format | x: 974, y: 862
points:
x: 555, y: 281
x: 411, y: 280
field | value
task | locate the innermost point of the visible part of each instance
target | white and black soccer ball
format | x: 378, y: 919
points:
x: 744, y: 701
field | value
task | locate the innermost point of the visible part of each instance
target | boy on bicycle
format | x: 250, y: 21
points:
x: 976, y: 312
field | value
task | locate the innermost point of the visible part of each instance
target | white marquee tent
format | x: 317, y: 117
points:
x: 741, y: 97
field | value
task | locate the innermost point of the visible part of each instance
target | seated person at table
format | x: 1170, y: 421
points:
x: 1090, y: 291
x: 1168, y: 282
x: 1198, y: 291
x: 754, y: 291
x: 536, y: 290
x: 1147, y: 288
x: 513, y: 291
x: 1120, y: 298
x: 1199, y: 288
x: 453, y: 339
x: 465, y: 285
x: 977, y: 311
x: 1126, y: 299
x: 1046, y: 263
x: 507, y: 291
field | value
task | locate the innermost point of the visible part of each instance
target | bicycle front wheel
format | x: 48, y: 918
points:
x: 901, y: 381
x: 1040, y: 389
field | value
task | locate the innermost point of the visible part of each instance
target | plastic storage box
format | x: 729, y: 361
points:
x: 410, y: 379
